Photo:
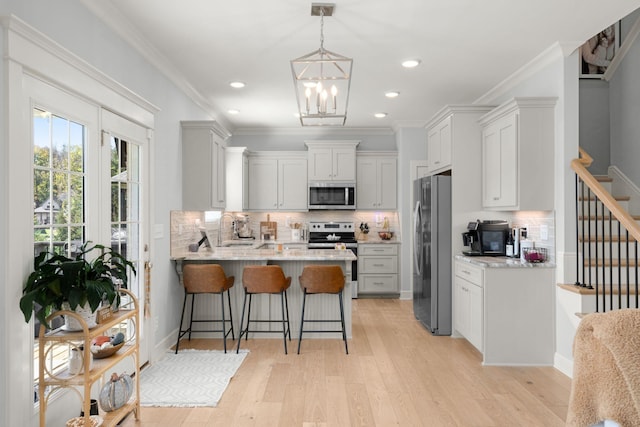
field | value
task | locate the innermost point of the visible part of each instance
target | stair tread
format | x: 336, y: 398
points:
x: 587, y: 291
x: 603, y: 178
x: 600, y: 217
x: 617, y: 198
x: 607, y: 238
x: 589, y: 262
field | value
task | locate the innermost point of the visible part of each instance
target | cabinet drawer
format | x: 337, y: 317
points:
x: 469, y: 272
x: 376, y: 265
x: 381, y: 249
x: 380, y: 283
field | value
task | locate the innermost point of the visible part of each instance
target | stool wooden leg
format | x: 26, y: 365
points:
x: 344, y: 332
x: 184, y: 303
x: 304, y: 300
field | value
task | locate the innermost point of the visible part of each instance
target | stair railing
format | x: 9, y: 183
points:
x: 594, y: 270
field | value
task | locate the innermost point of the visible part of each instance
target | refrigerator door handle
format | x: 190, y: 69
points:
x: 417, y: 238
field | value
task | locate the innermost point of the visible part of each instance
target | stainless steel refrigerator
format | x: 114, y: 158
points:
x: 432, y: 253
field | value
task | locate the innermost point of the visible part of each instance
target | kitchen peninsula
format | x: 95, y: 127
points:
x: 292, y: 261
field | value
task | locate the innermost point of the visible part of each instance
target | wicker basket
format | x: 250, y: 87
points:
x: 107, y: 352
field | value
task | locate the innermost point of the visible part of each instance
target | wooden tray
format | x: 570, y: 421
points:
x: 269, y: 228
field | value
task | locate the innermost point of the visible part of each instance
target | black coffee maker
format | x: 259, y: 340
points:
x: 471, y: 239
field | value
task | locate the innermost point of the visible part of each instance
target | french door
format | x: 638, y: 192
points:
x: 126, y: 167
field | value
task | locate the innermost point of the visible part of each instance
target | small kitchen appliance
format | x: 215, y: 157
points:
x: 486, y: 238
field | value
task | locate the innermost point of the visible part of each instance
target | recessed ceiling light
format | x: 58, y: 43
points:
x: 237, y: 85
x: 411, y: 63
x: 380, y: 115
x: 392, y: 94
x: 233, y: 111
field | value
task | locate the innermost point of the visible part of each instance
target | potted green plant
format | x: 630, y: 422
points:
x: 58, y: 280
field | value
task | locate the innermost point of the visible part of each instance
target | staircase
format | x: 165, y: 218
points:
x: 607, y: 241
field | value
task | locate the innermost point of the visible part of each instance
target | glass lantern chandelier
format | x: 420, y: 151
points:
x: 322, y: 80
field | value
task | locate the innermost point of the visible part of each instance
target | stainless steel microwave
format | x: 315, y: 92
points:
x: 332, y: 195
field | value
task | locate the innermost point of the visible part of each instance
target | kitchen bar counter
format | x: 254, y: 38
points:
x: 292, y: 261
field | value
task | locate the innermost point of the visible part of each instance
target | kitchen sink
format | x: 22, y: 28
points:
x: 244, y: 243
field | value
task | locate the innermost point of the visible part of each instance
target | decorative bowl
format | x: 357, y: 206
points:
x: 385, y: 235
x: 107, y: 352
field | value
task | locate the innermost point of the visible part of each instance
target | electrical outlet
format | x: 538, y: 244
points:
x: 544, y: 232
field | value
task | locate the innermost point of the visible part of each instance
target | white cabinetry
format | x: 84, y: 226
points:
x: 203, y: 166
x: 506, y: 312
x: 332, y: 160
x: 517, y: 155
x: 468, y: 303
x: 439, y: 143
x: 378, y: 269
x: 278, y: 181
x: 237, y: 179
x: 377, y: 181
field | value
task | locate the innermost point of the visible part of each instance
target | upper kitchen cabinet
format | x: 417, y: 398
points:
x: 377, y: 181
x: 278, y: 181
x: 332, y: 160
x: 439, y: 146
x: 203, y: 166
x: 237, y: 178
x: 517, y: 155
x: 451, y: 133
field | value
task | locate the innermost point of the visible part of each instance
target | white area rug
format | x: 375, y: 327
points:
x: 190, y: 378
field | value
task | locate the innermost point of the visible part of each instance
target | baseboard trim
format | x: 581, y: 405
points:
x: 563, y: 364
x: 406, y: 294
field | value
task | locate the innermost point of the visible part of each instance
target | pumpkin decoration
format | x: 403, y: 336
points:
x: 116, y: 393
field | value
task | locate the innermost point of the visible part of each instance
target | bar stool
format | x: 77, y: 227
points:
x: 206, y: 279
x: 265, y: 279
x: 322, y: 279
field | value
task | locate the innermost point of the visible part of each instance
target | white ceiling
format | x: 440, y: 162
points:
x: 467, y: 47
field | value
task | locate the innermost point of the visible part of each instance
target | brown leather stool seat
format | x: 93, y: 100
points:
x: 206, y: 279
x: 322, y: 279
x: 265, y: 279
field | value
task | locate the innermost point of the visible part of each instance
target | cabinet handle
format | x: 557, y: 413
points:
x: 437, y: 162
x: 378, y: 265
x: 466, y: 272
x: 378, y: 283
x: 496, y: 198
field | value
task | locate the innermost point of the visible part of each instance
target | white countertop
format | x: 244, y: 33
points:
x: 248, y: 253
x: 502, y: 262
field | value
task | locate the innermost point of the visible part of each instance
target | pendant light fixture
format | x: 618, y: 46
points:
x: 322, y: 80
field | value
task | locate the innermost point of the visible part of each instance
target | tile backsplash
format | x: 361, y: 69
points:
x: 537, y: 222
x: 187, y: 226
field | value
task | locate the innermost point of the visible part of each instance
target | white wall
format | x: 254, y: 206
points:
x: 623, y: 99
x: 71, y: 25
x: 412, y: 145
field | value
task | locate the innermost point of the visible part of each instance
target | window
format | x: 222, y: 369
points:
x: 58, y: 197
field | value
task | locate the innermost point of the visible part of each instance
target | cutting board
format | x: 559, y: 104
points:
x: 269, y: 228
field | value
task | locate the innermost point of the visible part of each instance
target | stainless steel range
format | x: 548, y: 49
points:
x: 325, y: 235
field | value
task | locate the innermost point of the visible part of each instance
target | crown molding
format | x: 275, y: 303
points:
x: 548, y: 56
x: 120, y: 25
x: 313, y: 131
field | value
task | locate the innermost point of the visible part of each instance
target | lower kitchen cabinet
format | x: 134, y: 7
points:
x: 506, y: 311
x: 468, y: 297
x: 378, y: 269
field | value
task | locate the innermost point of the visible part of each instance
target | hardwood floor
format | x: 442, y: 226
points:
x: 396, y: 373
